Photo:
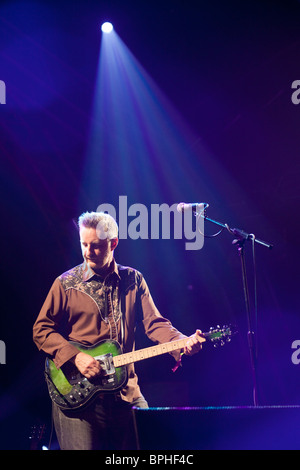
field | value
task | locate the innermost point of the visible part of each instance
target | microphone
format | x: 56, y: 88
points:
x: 195, y: 206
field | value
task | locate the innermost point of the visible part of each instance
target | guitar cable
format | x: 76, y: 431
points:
x: 51, y: 433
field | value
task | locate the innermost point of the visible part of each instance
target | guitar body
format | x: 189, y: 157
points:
x: 70, y: 390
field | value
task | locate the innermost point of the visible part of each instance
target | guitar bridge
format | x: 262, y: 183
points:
x: 107, y: 364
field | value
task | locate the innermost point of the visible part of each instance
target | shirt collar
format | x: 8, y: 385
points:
x: 88, y: 273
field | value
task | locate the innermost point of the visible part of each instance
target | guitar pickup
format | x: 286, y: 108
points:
x: 107, y: 364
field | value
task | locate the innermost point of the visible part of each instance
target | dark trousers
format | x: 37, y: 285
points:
x: 107, y: 424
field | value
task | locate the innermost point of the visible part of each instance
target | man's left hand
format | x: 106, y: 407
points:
x: 193, y: 344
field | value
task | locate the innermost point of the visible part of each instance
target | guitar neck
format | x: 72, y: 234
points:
x: 152, y: 351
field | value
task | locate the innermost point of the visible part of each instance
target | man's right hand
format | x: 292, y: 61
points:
x: 87, y: 365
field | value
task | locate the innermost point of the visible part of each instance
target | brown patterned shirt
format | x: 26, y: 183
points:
x: 85, y: 308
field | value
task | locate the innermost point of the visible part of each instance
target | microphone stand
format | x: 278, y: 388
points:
x: 240, y: 238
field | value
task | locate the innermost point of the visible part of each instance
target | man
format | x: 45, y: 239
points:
x: 97, y: 300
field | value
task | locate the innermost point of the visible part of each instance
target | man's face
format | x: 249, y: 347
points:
x: 97, y: 253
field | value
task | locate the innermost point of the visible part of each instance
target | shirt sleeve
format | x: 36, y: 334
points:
x: 46, y: 329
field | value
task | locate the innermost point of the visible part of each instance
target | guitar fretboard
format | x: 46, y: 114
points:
x: 141, y: 354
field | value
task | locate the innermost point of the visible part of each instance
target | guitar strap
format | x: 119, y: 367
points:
x: 121, y: 307
x: 128, y: 280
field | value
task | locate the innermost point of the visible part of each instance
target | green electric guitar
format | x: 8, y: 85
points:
x: 70, y: 390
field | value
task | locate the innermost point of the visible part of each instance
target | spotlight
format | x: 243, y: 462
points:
x: 107, y: 27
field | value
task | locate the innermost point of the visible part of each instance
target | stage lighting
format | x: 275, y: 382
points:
x: 107, y: 27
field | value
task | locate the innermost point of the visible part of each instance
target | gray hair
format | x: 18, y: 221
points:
x: 105, y: 225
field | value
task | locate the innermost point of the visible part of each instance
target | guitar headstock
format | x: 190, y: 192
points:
x: 219, y: 336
